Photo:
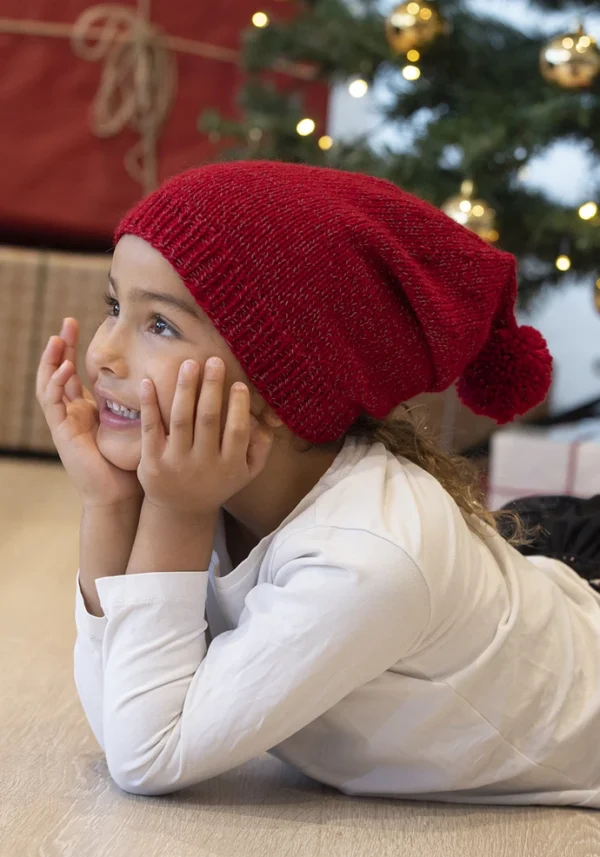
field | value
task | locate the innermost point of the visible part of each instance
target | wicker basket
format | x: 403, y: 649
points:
x: 37, y: 290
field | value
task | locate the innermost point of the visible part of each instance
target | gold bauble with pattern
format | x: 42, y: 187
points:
x: 572, y: 60
x: 413, y: 25
x: 475, y: 214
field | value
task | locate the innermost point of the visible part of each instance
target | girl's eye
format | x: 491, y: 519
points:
x: 160, y: 327
x: 113, y: 307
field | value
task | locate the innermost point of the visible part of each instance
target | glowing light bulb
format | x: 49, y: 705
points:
x: 563, y: 263
x: 358, y: 88
x: 260, y: 20
x: 425, y: 14
x: 413, y: 56
x: 413, y: 8
x: 465, y: 205
x: 325, y: 143
x: 305, y: 127
x: 588, y: 210
x: 478, y: 211
x: 411, y: 72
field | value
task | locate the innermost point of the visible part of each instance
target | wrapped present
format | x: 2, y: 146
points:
x: 562, y: 461
x: 99, y: 103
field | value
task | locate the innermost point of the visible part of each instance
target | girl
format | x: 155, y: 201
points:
x: 270, y: 559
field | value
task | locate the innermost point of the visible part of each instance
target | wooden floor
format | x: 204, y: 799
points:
x: 57, y: 800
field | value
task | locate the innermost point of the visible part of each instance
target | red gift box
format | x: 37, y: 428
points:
x: 60, y: 181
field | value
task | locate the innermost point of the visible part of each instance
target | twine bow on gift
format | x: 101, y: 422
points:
x: 138, y: 79
x: 139, y: 76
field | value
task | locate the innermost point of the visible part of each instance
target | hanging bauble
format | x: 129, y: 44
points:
x: 413, y: 25
x: 475, y: 214
x: 571, y: 60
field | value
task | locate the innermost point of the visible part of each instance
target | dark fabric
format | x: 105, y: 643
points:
x: 565, y: 528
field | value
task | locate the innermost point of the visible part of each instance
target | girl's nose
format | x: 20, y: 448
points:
x: 106, y: 354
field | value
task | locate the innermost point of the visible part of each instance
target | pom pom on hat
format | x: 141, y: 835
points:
x: 511, y: 375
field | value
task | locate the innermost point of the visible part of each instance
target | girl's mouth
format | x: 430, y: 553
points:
x: 116, y: 416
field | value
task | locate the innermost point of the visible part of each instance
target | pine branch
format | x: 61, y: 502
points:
x: 487, y: 108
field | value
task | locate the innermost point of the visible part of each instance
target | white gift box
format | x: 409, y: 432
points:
x: 564, y: 460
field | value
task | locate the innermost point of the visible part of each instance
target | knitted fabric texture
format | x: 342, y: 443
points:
x: 340, y: 293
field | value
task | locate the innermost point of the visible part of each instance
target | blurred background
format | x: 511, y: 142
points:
x: 490, y: 109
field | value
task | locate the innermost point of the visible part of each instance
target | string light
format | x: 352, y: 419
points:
x: 411, y: 72
x: 325, y: 143
x: 413, y: 8
x: 413, y: 56
x: 583, y: 44
x: 358, y: 88
x: 588, y: 210
x: 563, y: 263
x: 425, y: 14
x: 260, y: 20
x: 305, y: 127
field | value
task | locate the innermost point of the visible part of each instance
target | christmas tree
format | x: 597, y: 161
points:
x: 480, y: 99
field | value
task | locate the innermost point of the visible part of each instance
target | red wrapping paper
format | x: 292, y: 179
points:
x: 59, y: 183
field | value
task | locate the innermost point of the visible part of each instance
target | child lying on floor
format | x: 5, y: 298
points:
x: 272, y: 559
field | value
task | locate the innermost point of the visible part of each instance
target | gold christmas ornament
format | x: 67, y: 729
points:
x: 413, y: 25
x: 475, y: 214
x: 571, y: 60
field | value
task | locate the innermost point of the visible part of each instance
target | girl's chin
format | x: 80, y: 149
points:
x: 123, y: 453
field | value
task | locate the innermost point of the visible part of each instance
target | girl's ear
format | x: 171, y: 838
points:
x: 270, y: 418
x: 263, y: 412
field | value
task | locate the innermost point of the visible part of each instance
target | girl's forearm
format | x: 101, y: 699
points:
x: 107, y: 536
x: 171, y: 540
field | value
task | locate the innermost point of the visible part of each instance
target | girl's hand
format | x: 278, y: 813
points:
x: 72, y: 416
x: 193, y: 470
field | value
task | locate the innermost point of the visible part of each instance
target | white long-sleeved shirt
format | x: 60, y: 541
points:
x: 373, y: 640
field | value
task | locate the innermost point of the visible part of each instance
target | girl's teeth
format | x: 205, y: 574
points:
x: 128, y: 413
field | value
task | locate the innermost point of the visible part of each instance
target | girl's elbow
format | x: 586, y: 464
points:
x: 137, y: 780
x: 141, y: 775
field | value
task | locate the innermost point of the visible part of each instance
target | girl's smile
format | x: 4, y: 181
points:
x: 115, y: 414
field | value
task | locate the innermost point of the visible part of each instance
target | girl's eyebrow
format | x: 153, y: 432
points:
x: 137, y: 295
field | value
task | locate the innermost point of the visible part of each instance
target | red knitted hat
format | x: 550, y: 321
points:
x: 340, y: 293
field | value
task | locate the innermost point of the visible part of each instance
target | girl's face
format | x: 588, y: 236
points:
x: 153, y: 324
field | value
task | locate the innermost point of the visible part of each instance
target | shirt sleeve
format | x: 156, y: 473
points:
x: 342, y: 607
x: 87, y: 663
